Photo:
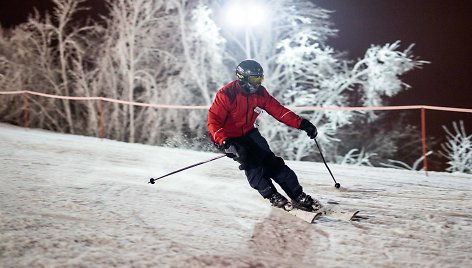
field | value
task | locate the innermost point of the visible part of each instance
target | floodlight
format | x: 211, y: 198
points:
x: 245, y: 13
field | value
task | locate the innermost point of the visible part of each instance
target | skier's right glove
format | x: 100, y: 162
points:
x: 309, y: 128
x: 230, y: 148
x: 236, y: 151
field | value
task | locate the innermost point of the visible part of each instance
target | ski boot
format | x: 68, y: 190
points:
x: 306, y: 202
x: 278, y: 200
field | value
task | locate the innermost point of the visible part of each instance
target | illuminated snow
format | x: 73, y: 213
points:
x: 80, y: 201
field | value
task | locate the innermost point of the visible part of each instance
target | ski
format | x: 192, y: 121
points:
x: 332, y: 210
x: 308, y: 216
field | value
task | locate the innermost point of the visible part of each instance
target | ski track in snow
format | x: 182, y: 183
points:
x: 74, y: 201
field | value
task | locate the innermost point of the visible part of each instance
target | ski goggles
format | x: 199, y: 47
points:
x: 256, y: 80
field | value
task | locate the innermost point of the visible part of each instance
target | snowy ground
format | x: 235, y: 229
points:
x: 84, y: 202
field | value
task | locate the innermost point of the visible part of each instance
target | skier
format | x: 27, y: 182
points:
x: 231, y: 120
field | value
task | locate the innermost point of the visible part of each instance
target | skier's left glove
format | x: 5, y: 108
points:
x: 309, y: 128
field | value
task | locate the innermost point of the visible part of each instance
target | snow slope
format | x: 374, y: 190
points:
x: 78, y: 201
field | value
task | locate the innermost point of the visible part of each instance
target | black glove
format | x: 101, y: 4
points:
x: 309, y: 128
x: 236, y: 151
x: 230, y: 148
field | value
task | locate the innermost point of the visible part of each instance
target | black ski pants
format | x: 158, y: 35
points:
x: 261, y: 166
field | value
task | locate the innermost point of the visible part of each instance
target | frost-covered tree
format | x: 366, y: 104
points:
x: 46, y: 52
x: 25, y: 65
x: 59, y: 34
x: 396, y: 164
x: 357, y: 158
x: 128, y: 69
x: 301, y: 70
x: 11, y: 78
x: 458, y: 149
x: 175, y: 52
x: 200, y: 53
x: 388, y: 136
x: 161, y: 52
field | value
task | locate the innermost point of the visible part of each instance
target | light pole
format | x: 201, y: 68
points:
x: 248, y: 43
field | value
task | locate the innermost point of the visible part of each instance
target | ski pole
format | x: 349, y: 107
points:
x: 152, y: 180
x: 336, y: 184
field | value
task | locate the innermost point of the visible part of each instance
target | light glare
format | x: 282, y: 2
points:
x: 245, y: 14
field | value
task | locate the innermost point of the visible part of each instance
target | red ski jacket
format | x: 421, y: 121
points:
x: 234, y: 112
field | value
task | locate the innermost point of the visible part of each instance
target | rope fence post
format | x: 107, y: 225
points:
x: 100, y: 111
x: 25, y: 110
x: 423, y: 139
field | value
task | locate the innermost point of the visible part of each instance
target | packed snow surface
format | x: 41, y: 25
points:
x: 73, y: 201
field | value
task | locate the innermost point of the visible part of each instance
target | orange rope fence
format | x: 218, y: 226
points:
x: 100, y: 100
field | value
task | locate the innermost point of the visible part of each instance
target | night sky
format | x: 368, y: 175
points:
x: 440, y: 29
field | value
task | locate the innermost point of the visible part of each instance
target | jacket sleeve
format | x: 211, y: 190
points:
x: 217, y: 115
x: 280, y: 112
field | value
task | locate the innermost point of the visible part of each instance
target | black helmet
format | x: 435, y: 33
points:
x: 250, y: 75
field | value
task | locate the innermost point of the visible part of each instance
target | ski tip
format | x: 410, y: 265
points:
x: 317, y: 216
x: 357, y: 217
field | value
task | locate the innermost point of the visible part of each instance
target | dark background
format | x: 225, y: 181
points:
x: 441, y: 31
